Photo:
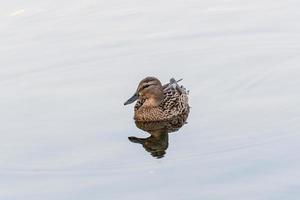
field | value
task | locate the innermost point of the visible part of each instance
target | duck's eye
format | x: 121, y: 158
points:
x: 145, y: 86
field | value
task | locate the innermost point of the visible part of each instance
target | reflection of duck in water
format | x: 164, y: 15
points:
x: 158, y: 142
x: 155, y: 144
x: 156, y: 102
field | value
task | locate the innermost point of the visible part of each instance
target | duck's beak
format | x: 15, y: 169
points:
x: 132, y: 99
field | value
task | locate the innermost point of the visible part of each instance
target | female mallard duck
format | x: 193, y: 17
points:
x: 156, y: 102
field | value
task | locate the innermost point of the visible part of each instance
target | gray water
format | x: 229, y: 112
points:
x: 66, y: 67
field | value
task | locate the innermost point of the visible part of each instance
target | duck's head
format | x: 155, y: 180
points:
x: 150, y: 90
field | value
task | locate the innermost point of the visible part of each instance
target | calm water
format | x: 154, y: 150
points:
x: 66, y: 67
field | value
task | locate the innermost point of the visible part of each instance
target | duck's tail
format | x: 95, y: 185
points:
x: 174, y: 84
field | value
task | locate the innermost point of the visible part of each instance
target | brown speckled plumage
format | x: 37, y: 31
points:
x: 156, y: 102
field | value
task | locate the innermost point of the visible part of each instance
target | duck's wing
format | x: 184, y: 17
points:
x: 172, y: 81
x: 176, y: 98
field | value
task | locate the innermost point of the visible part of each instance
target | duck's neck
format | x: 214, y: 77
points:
x: 155, y: 99
x: 152, y: 102
x: 150, y: 109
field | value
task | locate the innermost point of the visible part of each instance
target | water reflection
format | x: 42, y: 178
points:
x: 158, y: 141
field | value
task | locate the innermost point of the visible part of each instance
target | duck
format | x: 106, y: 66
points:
x: 157, y: 102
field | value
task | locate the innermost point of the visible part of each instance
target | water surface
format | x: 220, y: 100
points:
x: 68, y: 66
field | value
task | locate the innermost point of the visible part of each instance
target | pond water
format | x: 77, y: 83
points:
x: 67, y: 67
